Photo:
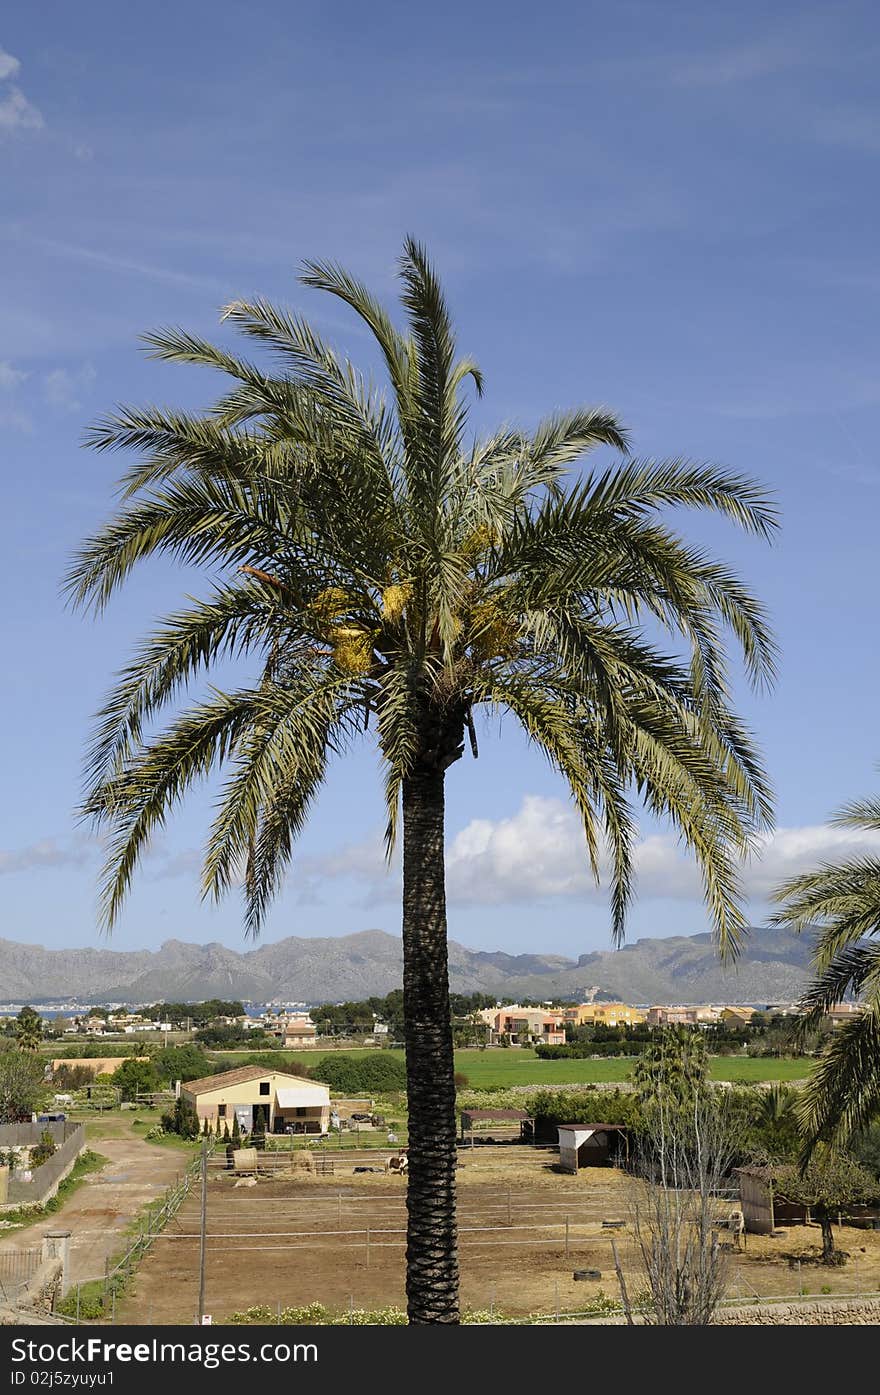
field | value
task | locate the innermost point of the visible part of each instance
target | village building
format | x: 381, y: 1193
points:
x: 281, y: 1102
x: 603, y: 1014
x: 699, y: 1015
x: 300, y: 1033
x: 522, y: 1025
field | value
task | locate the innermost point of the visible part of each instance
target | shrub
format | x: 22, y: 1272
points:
x: 44, y: 1149
x: 371, y: 1074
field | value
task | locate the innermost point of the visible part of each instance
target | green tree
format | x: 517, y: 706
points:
x: 186, y: 1062
x: 829, y: 1183
x: 134, y: 1077
x: 387, y: 573
x: 22, y: 1085
x: 29, y: 1029
x: 842, y: 900
x: 185, y: 1120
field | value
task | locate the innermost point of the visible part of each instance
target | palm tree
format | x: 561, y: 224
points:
x: 841, y: 900
x: 776, y: 1105
x: 28, y: 1030
x: 386, y: 574
x: 674, y: 1067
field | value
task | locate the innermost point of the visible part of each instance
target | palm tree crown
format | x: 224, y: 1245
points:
x: 842, y: 899
x: 386, y: 572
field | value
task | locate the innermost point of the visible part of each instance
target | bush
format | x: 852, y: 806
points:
x: 44, y: 1149
x: 184, y: 1120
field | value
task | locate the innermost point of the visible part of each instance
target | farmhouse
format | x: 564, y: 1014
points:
x: 591, y: 1145
x: 282, y: 1103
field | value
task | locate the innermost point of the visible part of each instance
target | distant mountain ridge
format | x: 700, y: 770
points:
x: 774, y: 966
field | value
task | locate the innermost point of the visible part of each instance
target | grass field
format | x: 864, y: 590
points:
x: 520, y: 1066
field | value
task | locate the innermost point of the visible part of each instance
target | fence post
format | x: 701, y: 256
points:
x: 203, y: 1228
x: 566, y: 1237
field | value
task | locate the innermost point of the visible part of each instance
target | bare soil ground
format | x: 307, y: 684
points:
x: 104, y: 1205
x: 339, y: 1241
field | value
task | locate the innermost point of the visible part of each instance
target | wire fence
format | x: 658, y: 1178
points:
x: 150, y: 1227
x: 17, y: 1267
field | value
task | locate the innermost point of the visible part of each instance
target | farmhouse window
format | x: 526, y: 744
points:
x: 221, y: 1111
x: 264, y: 1087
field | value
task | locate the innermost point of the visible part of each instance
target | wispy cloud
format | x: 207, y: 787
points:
x: 10, y: 377
x: 853, y: 127
x: 12, y: 416
x: 63, y: 388
x: 16, y: 112
x: 47, y: 853
x: 130, y: 266
x: 9, y: 66
x: 741, y: 63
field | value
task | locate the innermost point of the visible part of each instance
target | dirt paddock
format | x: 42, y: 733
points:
x: 301, y: 1238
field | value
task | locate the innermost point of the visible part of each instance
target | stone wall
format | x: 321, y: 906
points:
x: 828, y: 1312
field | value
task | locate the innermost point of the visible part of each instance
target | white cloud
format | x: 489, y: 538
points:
x: 63, y: 386
x: 539, y: 854
x: 10, y: 378
x: 16, y: 112
x: 9, y: 66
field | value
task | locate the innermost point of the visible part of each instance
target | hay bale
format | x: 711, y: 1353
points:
x: 244, y: 1159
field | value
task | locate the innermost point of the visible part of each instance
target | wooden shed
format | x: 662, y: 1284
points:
x: 592, y: 1145
x: 495, y: 1125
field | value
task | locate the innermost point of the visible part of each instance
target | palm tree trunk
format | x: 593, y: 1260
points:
x: 431, y: 1251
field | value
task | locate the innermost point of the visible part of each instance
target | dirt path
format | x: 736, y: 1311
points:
x: 105, y: 1203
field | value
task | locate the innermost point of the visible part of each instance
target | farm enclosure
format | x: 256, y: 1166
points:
x: 298, y: 1239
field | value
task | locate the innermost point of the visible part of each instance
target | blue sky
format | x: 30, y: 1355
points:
x: 668, y: 208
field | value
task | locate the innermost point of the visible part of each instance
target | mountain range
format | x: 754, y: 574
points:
x: 774, y: 966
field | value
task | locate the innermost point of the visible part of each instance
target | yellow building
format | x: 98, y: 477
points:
x: 283, y: 1103
x: 603, y: 1014
x: 737, y: 1017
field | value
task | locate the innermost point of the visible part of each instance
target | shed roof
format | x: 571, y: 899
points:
x: 496, y: 1115
x: 594, y: 1128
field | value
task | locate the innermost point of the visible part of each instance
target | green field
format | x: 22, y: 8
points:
x: 520, y: 1066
